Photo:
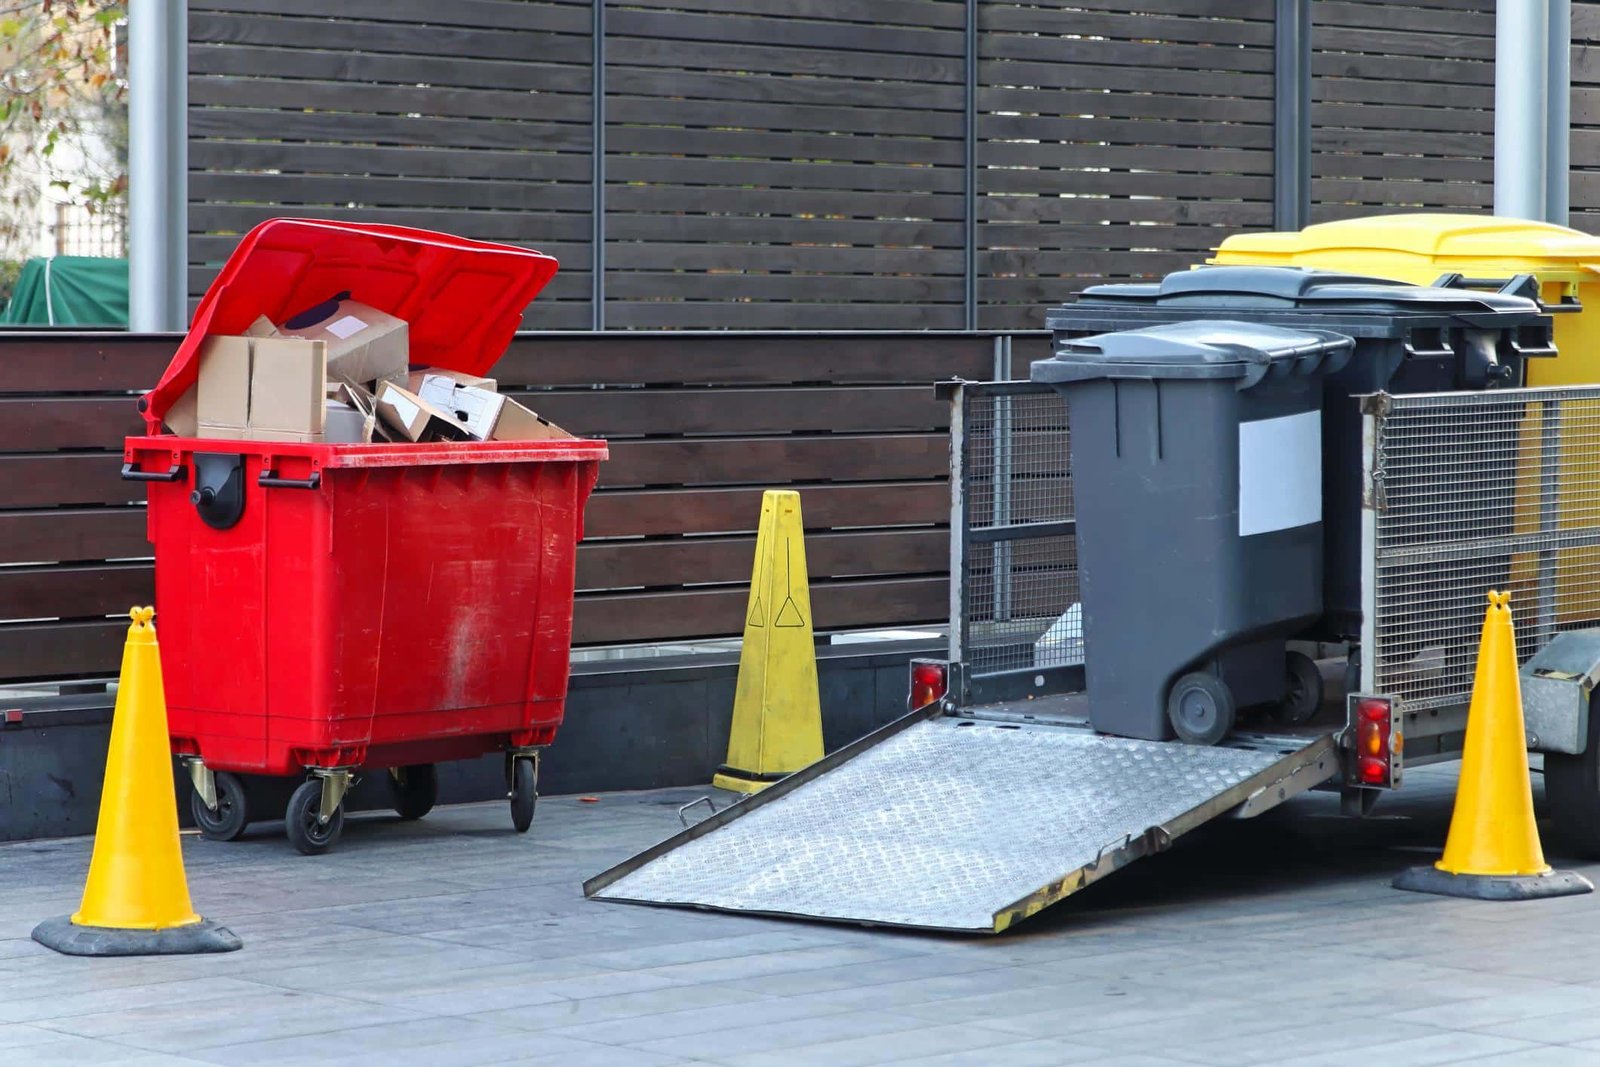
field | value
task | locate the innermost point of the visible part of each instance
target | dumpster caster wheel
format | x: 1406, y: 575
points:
x: 228, y: 821
x: 302, y: 822
x: 524, y: 792
x: 1201, y: 708
x: 413, y: 790
x: 1303, y: 697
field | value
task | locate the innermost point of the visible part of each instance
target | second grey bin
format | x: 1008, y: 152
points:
x: 1197, y: 473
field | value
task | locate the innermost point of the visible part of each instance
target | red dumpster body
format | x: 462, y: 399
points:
x: 373, y: 604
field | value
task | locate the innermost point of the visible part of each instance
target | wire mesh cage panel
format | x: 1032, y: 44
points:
x: 1018, y: 560
x: 1468, y: 492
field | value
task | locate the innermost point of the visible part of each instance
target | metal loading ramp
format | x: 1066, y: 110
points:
x: 951, y: 823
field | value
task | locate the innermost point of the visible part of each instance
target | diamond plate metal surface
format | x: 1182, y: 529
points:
x: 941, y: 826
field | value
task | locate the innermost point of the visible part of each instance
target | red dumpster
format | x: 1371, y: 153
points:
x: 369, y: 607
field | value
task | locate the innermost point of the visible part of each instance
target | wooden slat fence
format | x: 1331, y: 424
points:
x: 822, y: 164
x: 699, y: 425
x: 1402, y: 107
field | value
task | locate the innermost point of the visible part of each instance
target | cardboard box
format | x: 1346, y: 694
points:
x: 294, y: 436
x: 415, y: 379
x: 262, y: 327
x: 287, y: 386
x: 183, y: 417
x: 476, y: 409
x: 488, y: 416
x: 222, y: 393
x: 414, y: 419
x: 365, y: 345
x: 517, y: 423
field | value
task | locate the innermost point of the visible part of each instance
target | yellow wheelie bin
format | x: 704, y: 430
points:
x: 1489, y: 250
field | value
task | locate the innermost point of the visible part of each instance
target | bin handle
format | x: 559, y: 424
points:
x: 131, y: 473
x: 270, y: 480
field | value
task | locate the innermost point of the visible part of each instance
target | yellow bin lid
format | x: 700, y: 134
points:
x: 1487, y: 242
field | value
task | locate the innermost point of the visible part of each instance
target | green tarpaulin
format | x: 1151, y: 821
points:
x: 69, y: 291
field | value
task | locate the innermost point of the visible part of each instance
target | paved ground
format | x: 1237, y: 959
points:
x: 454, y: 942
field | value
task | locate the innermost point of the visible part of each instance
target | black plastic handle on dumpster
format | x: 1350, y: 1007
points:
x: 131, y: 473
x: 270, y: 480
x: 1523, y: 285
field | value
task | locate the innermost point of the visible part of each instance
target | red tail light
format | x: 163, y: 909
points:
x: 1378, y: 743
x: 929, y: 682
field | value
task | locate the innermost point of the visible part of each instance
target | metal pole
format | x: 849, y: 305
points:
x: 158, y: 165
x: 1559, y: 118
x: 1521, y: 85
x: 969, y: 289
x: 1291, y: 116
x: 597, y: 170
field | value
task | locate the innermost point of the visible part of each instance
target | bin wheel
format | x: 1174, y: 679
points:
x: 306, y: 832
x: 1303, y: 697
x: 1201, y: 708
x: 524, y: 793
x: 228, y: 821
x: 1572, y: 793
x: 414, y: 790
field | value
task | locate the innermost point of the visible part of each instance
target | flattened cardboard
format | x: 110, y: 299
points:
x: 364, y: 344
x: 262, y: 327
x: 222, y: 393
x: 287, y: 387
x: 414, y: 380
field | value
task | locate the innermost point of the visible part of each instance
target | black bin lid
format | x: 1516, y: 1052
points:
x: 1268, y: 290
x: 1206, y: 348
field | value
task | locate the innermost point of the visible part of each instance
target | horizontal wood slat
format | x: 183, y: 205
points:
x: 728, y: 560
x: 72, y: 534
x: 74, y: 592
x: 39, y: 651
x: 713, y: 613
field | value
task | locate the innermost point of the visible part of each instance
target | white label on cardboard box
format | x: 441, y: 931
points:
x: 346, y: 328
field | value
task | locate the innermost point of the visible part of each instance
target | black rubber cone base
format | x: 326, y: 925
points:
x: 1493, y: 886
x: 68, y: 938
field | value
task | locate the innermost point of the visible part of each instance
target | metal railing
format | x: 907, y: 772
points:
x: 1467, y: 492
x: 1014, y: 541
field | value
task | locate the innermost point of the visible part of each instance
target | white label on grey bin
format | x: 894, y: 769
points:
x: 1280, y: 473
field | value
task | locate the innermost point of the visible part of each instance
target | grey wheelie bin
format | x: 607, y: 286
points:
x: 1197, y: 470
x: 1408, y: 339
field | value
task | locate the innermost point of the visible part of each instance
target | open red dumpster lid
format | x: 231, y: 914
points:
x: 463, y: 300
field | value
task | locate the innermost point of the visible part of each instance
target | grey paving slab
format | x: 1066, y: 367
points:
x: 744, y: 1041
x: 893, y: 1046
x: 1418, y: 1052
x: 1543, y: 1056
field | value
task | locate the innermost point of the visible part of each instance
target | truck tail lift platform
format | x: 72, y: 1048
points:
x: 954, y: 822
x: 993, y: 798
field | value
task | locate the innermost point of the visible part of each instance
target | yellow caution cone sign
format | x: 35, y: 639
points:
x: 777, y: 716
x: 1493, y: 851
x: 136, y: 899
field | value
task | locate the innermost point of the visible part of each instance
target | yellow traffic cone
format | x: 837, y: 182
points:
x: 777, y: 715
x: 1493, y: 851
x: 136, y: 899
